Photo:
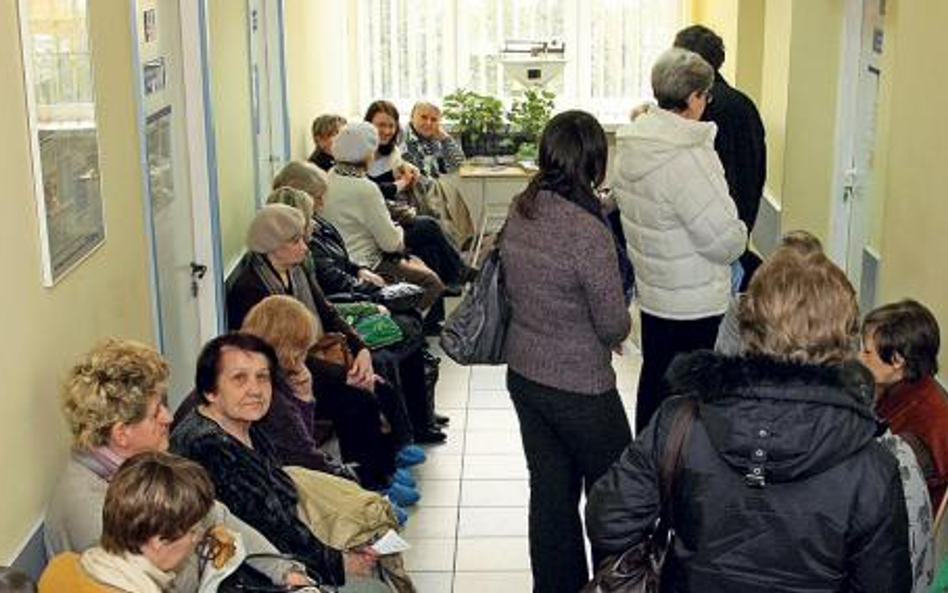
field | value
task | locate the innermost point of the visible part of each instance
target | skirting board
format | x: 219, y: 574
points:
x: 31, y: 558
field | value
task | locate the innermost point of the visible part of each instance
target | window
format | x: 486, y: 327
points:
x: 411, y: 49
x: 61, y: 111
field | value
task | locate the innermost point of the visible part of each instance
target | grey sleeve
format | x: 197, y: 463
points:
x: 728, y: 341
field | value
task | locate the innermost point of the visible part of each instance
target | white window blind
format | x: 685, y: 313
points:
x: 412, y: 49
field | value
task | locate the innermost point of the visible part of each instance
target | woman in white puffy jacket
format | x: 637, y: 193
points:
x: 680, y: 223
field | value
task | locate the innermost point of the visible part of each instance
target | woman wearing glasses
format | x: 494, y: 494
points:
x: 680, y: 223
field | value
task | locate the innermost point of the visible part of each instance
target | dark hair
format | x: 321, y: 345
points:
x: 208, y: 362
x: 573, y: 152
x: 908, y: 329
x: 704, y: 42
x: 13, y: 580
x: 389, y: 109
x: 154, y: 494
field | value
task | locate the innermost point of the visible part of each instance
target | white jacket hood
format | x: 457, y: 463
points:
x: 657, y: 136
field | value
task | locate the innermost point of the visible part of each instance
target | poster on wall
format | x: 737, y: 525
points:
x: 61, y: 111
x: 158, y: 147
x: 73, y: 205
x: 153, y: 76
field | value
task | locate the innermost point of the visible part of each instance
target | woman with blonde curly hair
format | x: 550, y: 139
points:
x: 780, y: 484
x: 115, y: 403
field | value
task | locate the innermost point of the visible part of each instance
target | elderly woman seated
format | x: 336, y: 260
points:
x: 234, y: 382
x: 424, y: 235
x: 114, y: 401
x: 355, y: 206
x: 291, y: 329
x: 778, y: 482
x: 431, y: 150
x: 303, y: 186
x: 153, y: 517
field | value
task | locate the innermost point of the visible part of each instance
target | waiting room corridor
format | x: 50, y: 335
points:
x: 469, y: 531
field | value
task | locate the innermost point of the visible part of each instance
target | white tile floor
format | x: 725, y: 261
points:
x: 469, y: 531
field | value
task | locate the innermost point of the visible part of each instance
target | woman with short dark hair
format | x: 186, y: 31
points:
x: 900, y: 344
x: 568, y: 314
x: 781, y: 484
x: 152, y: 520
x: 234, y: 380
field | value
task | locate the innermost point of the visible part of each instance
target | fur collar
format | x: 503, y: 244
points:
x: 783, y: 421
x: 714, y: 376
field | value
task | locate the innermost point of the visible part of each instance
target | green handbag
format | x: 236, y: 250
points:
x: 376, y: 329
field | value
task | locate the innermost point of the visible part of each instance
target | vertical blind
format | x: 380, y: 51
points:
x: 413, y: 49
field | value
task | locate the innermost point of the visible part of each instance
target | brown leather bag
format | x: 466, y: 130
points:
x: 331, y: 357
x: 639, y: 568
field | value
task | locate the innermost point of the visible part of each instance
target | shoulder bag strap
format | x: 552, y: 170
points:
x: 674, y: 445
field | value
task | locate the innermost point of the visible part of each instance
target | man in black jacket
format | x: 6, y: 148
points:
x: 740, y: 139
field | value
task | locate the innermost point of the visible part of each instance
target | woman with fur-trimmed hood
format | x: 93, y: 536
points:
x: 781, y: 484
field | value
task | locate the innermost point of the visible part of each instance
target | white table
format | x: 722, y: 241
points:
x: 488, y: 192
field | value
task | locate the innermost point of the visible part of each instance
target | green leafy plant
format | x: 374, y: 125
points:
x: 530, y: 113
x: 474, y: 116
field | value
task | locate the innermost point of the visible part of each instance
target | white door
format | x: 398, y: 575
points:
x: 268, y: 91
x: 177, y: 272
x: 854, y: 211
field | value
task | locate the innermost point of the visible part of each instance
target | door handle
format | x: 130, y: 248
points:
x: 198, y: 270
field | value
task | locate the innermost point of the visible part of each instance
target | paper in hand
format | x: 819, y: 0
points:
x: 390, y: 543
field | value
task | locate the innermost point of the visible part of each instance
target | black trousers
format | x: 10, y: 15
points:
x: 570, y: 440
x: 403, y: 366
x: 663, y: 340
x: 355, y: 415
x: 425, y: 238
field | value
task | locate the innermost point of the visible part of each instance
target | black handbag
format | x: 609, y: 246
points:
x: 400, y: 297
x: 638, y: 569
x: 247, y: 579
x: 475, y: 332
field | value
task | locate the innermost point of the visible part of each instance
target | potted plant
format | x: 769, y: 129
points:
x: 528, y: 116
x: 477, y: 119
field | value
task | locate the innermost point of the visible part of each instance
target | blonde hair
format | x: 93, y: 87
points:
x: 287, y: 325
x: 114, y: 382
x: 305, y: 177
x: 799, y: 308
x: 294, y: 198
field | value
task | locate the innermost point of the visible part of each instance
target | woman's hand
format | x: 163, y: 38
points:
x: 297, y: 579
x: 359, y: 562
x: 361, y: 374
x: 405, y: 177
x: 367, y: 275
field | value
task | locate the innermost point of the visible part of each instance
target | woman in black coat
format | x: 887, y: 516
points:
x: 781, y: 485
x: 405, y: 364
